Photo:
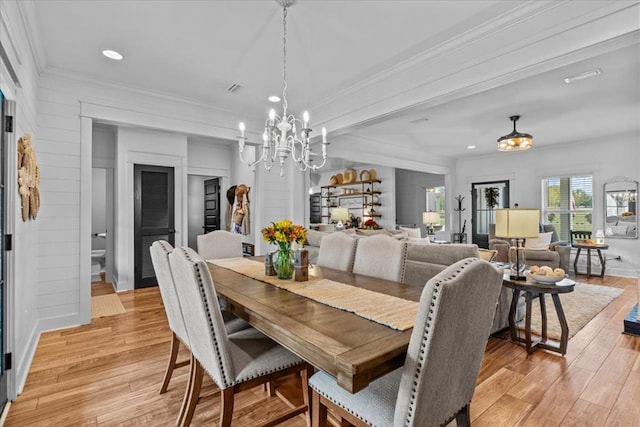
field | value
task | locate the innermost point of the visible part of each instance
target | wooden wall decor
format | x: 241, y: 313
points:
x: 28, y: 178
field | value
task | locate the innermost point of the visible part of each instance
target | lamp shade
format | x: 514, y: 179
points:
x: 340, y: 214
x: 517, y: 223
x: 430, y: 217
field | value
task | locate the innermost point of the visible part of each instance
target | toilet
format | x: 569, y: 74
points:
x: 97, y: 263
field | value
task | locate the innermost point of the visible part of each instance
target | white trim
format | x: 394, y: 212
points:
x: 118, y: 115
x: 86, y: 137
x: 11, y: 193
x: 212, y: 172
x: 22, y: 370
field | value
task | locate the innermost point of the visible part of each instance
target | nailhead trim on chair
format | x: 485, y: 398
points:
x: 225, y: 378
x: 328, y: 397
x: 405, y: 249
x: 425, y: 337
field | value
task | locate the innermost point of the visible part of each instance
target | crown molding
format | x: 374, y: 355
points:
x: 29, y: 20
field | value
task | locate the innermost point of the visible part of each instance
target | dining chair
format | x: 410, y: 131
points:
x: 160, y: 250
x: 219, y: 244
x: 439, y: 375
x: 380, y: 256
x: 337, y: 251
x: 234, y: 362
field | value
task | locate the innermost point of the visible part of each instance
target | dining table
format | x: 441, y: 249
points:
x: 351, y: 348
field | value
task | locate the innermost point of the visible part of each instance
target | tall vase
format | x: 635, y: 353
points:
x: 284, y: 262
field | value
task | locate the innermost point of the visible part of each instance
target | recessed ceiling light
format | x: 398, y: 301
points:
x: 112, y: 54
x: 274, y: 98
x: 583, y: 76
x: 470, y: 147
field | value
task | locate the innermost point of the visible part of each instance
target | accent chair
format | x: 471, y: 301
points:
x: 234, y: 362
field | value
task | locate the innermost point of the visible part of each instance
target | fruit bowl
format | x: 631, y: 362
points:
x: 547, y: 280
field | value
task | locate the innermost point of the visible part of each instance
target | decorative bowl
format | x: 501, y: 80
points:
x: 547, y: 280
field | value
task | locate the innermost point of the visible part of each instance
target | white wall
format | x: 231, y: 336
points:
x: 148, y: 147
x: 24, y: 260
x: 617, y: 156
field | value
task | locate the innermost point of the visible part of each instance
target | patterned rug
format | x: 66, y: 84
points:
x: 106, y: 305
x: 580, y: 306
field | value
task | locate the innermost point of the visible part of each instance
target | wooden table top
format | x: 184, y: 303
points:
x: 354, y: 350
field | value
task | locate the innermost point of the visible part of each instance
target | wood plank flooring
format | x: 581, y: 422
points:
x: 108, y: 373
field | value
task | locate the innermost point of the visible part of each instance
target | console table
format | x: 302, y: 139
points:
x: 599, y: 248
x: 531, y: 290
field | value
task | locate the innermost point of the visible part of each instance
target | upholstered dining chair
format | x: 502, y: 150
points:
x: 219, y: 244
x: 380, y: 256
x: 439, y: 375
x: 234, y: 362
x: 160, y: 250
x: 337, y: 250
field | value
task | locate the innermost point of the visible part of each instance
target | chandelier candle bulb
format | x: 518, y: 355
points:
x: 324, y: 135
x: 241, y: 126
x: 305, y: 118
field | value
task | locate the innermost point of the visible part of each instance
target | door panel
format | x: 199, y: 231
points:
x: 211, y: 205
x: 153, y: 217
x: 3, y: 291
x: 482, y: 213
x: 315, y: 208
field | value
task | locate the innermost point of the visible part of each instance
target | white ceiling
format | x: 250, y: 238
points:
x: 372, y: 70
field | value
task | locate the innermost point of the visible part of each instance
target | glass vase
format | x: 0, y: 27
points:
x: 284, y: 262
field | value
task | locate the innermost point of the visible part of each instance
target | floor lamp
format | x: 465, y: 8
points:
x: 517, y: 224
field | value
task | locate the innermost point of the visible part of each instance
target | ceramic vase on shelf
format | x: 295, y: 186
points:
x: 284, y: 262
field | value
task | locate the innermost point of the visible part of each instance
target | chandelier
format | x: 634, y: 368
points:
x: 285, y: 135
x: 515, y: 141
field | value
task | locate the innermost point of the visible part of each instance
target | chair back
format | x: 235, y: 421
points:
x: 447, y: 343
x: 579, y: 235
x: 203, y: 319
x: 380, y: 256
x: 160, y: 250
x: 337, y: 250
x: 219, y: 244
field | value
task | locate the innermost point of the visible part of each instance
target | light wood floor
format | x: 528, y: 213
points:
x: 108, y: 373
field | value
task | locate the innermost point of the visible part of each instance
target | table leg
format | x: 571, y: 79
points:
x: 563, y: 324
x: 588, y: 263
x: 512, y: 315
x: 575, y: 261
x: 543, y: 317
x: 527, y: 325
x: 603, y: 263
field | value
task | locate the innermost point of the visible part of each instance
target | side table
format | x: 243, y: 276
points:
x: 531, y: 290
x: 599, y: 248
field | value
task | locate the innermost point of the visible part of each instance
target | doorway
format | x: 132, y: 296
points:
x: 203, y: 206
x: 154, y: 217
x: 485, y: 198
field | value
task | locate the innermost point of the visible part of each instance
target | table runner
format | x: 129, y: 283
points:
x: 394, y: 312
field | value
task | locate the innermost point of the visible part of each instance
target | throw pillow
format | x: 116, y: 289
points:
x: 412, y: 232
x: 373, y: 232
x: 539, y: 243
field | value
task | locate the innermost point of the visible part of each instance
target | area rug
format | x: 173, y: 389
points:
x: 106, y: 305
x: 580, y: 306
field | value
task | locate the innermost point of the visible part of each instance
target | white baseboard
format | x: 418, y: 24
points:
x: 5, y: 412
x: 23, y: 368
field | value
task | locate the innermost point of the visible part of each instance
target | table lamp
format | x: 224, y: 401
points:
x: 517, y: 224
x: 430, y: 218
x: 340, y: 214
